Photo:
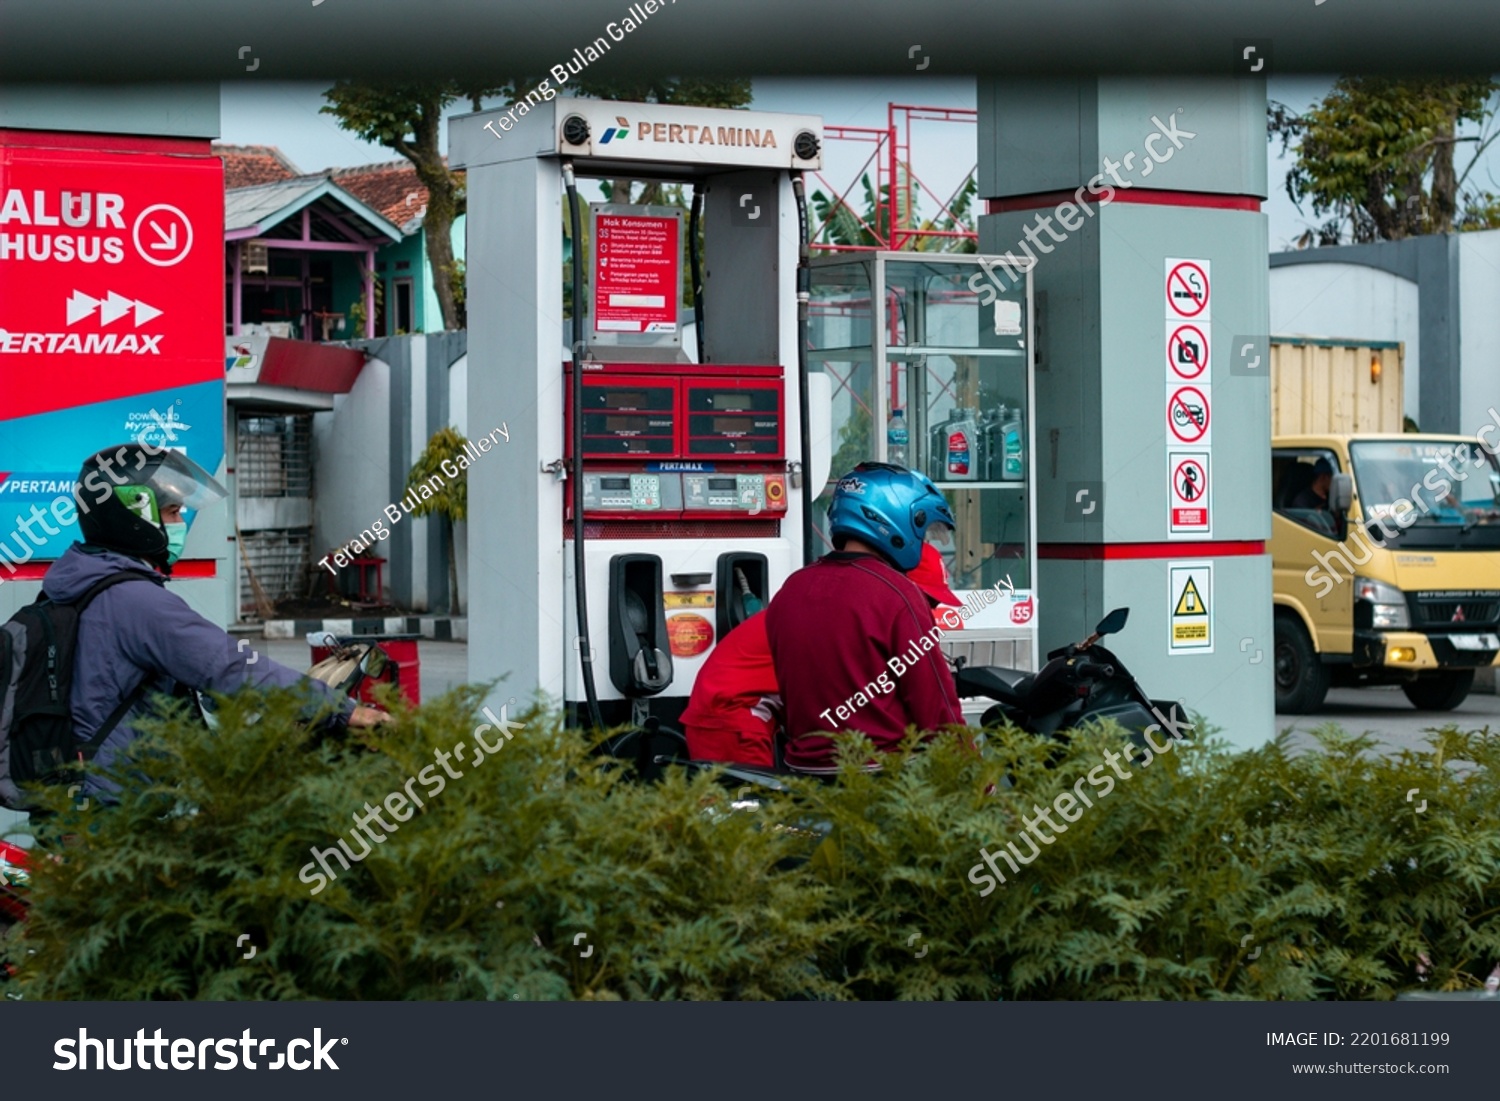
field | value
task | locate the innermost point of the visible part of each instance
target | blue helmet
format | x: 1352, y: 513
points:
x: 888, y: 507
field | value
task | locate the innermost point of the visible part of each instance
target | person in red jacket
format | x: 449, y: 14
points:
x: 736, y: 708
x: 853, y: 640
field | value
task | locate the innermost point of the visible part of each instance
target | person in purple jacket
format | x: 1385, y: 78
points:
x: 852, y: 637
x: 137, y: 636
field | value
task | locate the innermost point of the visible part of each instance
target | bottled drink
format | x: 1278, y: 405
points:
x: 896, y: 438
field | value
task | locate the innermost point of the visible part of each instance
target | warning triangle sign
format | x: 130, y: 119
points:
x: 1190, y: 602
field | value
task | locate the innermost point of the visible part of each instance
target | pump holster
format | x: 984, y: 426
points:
x: 639, y: 662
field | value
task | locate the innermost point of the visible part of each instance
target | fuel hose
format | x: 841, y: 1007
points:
x: 804, y: 297
x: 580, y: 585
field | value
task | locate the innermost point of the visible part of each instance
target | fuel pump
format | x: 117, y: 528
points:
x: 669, y: 492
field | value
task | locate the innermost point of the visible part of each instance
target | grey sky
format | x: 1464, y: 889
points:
x: 287, y: 115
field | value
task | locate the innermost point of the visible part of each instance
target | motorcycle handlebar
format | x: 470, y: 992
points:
x: 1093, y: 669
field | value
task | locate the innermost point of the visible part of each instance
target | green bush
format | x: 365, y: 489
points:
x: 546, y: 872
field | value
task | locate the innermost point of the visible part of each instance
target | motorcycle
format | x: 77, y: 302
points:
x: 1081, y: 683
x: 347, y: 670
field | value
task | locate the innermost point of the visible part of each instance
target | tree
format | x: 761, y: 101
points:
x: 407, y: 118
x: 451, y: 502
x: 1378, y: 155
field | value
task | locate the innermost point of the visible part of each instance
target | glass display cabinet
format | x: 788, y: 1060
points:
x: 930, y: 365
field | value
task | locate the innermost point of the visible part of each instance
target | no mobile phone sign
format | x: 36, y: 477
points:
x: 1191, y: 505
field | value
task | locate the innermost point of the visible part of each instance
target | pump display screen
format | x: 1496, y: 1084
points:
x: 720, y: 485
x: 624, y: 399
x: 726, y: 420
x: 626, y: 424
x: 615, y: 483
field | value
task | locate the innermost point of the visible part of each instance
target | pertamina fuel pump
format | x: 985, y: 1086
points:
x: 673, y: 478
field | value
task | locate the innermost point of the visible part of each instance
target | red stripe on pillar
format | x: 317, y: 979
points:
x: 1201, y: 199
x: 187, y: 568
x: 1117, y: 551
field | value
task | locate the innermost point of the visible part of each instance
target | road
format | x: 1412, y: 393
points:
x: 1386, y: 715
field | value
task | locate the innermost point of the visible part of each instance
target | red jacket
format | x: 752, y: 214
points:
x: 855, y: 648
x: 723, y: 721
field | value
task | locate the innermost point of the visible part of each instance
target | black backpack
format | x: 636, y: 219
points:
x: 37, y: 647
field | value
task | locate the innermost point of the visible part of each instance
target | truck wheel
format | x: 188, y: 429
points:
x: 1301, y: 676
x: 1439, y: 691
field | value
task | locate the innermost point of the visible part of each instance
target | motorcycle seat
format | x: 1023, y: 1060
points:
x: 995, y: 682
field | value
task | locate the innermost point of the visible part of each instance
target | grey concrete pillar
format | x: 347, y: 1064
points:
x: 1122, y: 188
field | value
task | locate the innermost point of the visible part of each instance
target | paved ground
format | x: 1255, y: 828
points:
x: 1387, y: 716
x: 444, y: 664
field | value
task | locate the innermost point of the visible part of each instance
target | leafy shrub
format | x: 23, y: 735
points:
x: 546, y: 872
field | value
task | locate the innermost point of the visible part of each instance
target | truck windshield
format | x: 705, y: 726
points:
x: 1430, y: 485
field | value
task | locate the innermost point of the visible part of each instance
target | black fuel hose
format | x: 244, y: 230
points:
x: 804, y: 297
x: 580, y: 585
x: 695, y: 262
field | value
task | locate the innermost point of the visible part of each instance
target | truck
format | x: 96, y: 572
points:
x: 1385, y: 545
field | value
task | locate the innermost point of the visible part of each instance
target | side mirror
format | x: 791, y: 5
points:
x: 1113, y: 623
x: 1341, y: 494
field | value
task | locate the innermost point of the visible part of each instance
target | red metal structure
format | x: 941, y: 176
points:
x: 895, y: 190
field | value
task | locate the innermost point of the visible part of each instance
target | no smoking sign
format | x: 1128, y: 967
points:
x: 1188, y: 289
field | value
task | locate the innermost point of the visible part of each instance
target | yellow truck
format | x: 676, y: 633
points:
x: 1385, y: 545
x: 1385, y: 552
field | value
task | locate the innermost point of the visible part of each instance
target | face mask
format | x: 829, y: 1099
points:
x: 176, y: 540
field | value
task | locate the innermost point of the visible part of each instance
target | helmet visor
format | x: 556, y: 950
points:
x: 177, y: 480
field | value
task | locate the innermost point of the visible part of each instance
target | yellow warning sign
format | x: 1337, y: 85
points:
x: 1191, y: 602
x: 1190, y: 623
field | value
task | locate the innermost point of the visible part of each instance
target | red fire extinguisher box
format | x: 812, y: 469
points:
x: 401, y: 649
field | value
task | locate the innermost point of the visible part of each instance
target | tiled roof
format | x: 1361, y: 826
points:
x: 248, y: 165
x: 392, y: 189
x: 264, y: 206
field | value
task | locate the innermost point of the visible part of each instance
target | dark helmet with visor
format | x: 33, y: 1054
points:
x: 122, y: 491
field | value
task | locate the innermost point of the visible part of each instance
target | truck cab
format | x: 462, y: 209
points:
x: 1385, y: 552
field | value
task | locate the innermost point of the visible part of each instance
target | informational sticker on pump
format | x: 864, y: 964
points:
x: 1187, y: 289
x: 1190, y: 620
x: 689, y: 634
x: 637, y: 272
x: 1189, y: 414
x: 1191, y: 503
x: 1187, y: 351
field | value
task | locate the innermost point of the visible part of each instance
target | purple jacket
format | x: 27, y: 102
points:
x: 139, y: 630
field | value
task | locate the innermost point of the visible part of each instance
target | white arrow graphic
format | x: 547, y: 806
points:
x: 167, y: 241
x: 114, y: 306
x: 80, y: 305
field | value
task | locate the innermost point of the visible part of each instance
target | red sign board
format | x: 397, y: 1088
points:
x: 637, y: 273
x: 111, y: 275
